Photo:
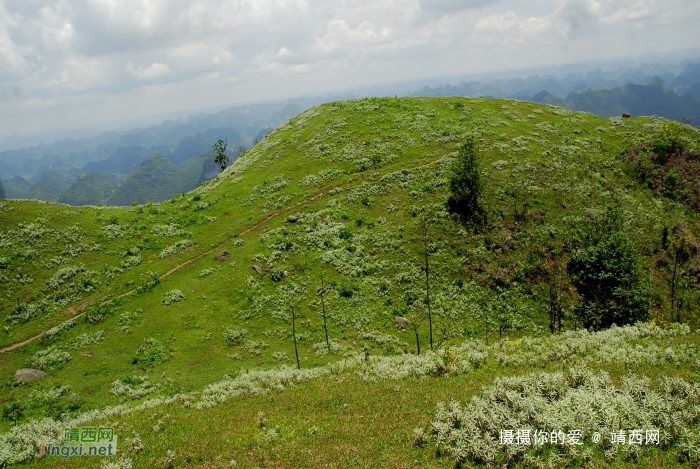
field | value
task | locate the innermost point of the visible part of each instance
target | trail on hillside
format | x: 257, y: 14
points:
x: 178, y: 266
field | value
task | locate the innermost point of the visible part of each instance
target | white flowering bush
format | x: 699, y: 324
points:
x: 133, y: 387
x: 207, y: 272
x: 49, y: 359
x: 173, y: 296
x: 554, y: 402
x: 235, y: 336
x: 51, y: 334
x: 166, y: 230
x: 84, y: 340
x: 175, y: 248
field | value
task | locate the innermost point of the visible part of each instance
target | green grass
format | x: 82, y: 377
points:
x: 357, y: 229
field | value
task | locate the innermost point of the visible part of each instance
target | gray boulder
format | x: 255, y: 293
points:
x: 292, y: 219
x: 624, y: 114
x: 257, y: 268
x: 402, y: 322
x: 222, y: 256
x: 25, y: 374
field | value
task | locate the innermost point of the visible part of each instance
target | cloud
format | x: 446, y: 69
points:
x: 154, y: 71
x: 221, y: 51
x: 38, y: 103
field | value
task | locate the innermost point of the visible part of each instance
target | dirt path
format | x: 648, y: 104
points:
x: 178, y: 266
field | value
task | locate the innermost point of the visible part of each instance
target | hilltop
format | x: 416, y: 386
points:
x: 122, y: 305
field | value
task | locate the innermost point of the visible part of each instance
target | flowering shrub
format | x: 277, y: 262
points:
x: 173, y: 296
x: 51, y: 334
x: 49, y: 359
x: 553, y: 402
x: 235, y: 336
x: 133, y: 387
x: 84, y: 340
x: 152, y: 352
x: 166, y: 230
x: 175, y: 248
x: 207, y: 272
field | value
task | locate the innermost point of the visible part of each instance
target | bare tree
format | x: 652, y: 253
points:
x: 323, y: 309
x: 423, y: 229
x: 294, y: 334
x: 239, y: 150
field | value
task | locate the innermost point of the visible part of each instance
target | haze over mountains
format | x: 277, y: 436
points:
x: 156, y: 162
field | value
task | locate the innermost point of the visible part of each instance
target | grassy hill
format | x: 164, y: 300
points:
x: 136, y: 292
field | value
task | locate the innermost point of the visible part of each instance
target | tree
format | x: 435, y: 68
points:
x: 683, y: 246
x: 322, y: 293
x: 221, y: 158
x: 423, y: 229
x: 607, y: 272
x: 466, y: 188
x: 239, y: 150
x: 294, y: 335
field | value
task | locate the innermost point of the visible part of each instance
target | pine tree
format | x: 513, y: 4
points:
x: 466, y: 188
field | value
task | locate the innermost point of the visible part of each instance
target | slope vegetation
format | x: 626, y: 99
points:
x: 332, y: 198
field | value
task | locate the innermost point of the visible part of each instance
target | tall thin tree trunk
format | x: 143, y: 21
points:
x: 673, y: 287
x: 294, y: 334
x: 415, y: 329
x: 323, y: 306
x: 427, y: 278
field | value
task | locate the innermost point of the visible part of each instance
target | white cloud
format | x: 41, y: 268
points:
x: 154, y: 71
x: 253, y: 49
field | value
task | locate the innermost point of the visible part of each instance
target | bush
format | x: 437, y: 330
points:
x: 173, y: 296
x: 152, y: 352
x: 466, y: 188
x: 49, y: 359
x: 235, y: 336
x: 607, y: 271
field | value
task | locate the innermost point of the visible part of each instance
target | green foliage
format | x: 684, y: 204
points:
x: 152, y: 352
x: 466, y: 188
x: 670, y: 184
x: 607, y: 272
x: 220, y: 149
x: 668, y: 140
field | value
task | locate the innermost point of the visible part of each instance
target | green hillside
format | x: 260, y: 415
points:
x: 92, y: 189
x: 322, y: 223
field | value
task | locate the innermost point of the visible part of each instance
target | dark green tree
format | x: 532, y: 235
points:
x: 607, y: 272
x: 466, y: 188
x: 220, y: 149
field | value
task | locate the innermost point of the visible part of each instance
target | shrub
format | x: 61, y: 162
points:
x: 151, y: 352
x: 466, y: 188
x: 607, y: 271
x: 49, y: 359
x: 173, y: 296
x: 235, y: 336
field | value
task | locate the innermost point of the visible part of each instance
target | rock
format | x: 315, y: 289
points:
x: 624, y: 114
x: 402, y: 322
x: 255, y: 259
x: 73, y: 396
x: 25, y: 374
x: 292, y: 219
x: 286, y: 274
x: 222, y: 256
x: 257, y: 268
x: 270, y: 265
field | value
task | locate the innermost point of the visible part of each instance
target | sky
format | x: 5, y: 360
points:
x: 68, y: 63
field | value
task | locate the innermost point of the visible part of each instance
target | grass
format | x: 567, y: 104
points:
x: 357, y: 174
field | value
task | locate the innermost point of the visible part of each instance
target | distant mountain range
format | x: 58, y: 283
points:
x: 636, y: 100
x: 159, y: 161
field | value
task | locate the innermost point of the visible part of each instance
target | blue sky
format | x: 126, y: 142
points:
x: 67, y: 63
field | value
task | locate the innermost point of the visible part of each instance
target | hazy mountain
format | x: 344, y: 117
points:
x: 49, y: 187
x: 637, y: 100
x: 124, y: 160
x: 92, y: 189
x: 195, y: 145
